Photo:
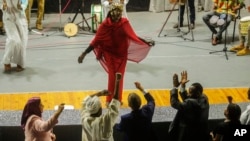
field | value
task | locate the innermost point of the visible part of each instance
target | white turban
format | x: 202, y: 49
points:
x: 93, y: 105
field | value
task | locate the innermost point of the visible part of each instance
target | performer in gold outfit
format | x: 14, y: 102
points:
x: 40, y: 13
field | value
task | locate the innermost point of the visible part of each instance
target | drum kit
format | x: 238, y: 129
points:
x: 71, y: 29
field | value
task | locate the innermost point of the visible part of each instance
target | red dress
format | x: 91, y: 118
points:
x: 114, y: 44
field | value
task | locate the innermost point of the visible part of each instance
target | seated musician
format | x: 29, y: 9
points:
x: 243, y: 49
x: 106, y: 5
x: 221, y: 7
x: 40, y: 13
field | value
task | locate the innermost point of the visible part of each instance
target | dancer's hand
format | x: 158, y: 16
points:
x: 81, y: 57
x: 151, y: 43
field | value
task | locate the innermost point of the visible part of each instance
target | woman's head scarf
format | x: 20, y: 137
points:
x: 32, y: 107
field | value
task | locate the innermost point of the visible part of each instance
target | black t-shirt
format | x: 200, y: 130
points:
x: 226, y: 129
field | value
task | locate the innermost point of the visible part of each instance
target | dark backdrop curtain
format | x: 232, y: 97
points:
x: 52, y: 6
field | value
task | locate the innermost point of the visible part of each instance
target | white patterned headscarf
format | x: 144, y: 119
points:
x: 93, y: 105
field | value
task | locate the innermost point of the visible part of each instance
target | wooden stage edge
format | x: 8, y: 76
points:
x: 16, y: 101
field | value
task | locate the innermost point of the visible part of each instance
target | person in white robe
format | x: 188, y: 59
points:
x: 16, y: 29
x: 95, y: 125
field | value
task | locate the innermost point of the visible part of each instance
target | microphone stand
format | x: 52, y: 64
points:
x: 225, y: 42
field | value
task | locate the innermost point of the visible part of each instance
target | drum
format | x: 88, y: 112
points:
x: 244, y: 25
x: 218, y: 21
x: 213, y: 20
x: 70, y: 29
x: 96, y: 14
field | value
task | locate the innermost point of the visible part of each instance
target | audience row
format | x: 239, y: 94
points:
x: 189, y: 123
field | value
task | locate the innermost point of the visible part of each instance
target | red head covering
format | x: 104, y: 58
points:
x: 31, y: 108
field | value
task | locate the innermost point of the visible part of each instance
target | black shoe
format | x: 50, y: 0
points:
x: 191, y: 26
x: 177, y: 25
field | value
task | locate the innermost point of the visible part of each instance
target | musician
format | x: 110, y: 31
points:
x: 40, y: 13
x: 220, y: 8
x: 241, y: 49
x: 106, y: 6
x: 182, y: 6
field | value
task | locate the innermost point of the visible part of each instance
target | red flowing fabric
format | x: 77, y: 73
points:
x: 114, y: 44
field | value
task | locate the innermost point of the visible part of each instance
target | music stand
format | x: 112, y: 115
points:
x: 178, y: 29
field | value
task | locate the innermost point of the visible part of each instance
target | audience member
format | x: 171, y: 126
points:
x: 35, y: 128
x: 182, y: 5
x: 137, y: 125
x: 115, y: 42
x: 107, y: 3
x: 16, y: 29
x: 242, y: 48
x: 223, y: 130
x: 95, y: 125
x: 224, y: 10
x: 191, y: 120
x: 40, y: 13
x: 245, y: 116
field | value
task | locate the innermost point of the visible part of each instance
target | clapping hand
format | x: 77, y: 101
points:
x: 176, y: 82
x: 184, y: 78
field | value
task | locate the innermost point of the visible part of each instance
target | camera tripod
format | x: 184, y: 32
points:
x: 182, y: 34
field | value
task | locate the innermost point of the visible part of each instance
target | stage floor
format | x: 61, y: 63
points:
x: 53, y: 73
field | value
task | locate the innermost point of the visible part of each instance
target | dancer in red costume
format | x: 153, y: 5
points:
x: 115, y: 42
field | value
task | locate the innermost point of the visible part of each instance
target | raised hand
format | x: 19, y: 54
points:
x: 118, y: 76
x: 138, y: 86
x: 184, y: 78
x: 60, y: 108
x: 176, y: 82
